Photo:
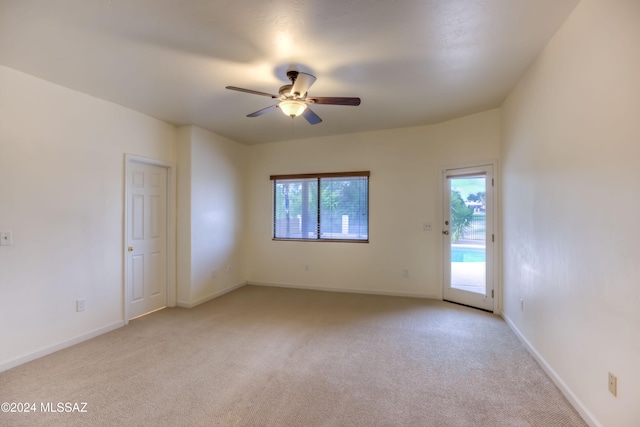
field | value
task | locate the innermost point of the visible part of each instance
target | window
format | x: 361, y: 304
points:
x: 328, y: 206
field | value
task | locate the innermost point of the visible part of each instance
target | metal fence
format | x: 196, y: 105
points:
x: 477, y: 230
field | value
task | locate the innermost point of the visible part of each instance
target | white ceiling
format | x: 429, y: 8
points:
x: 412, y: 62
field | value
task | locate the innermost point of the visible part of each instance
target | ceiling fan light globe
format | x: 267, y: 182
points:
x: 292, y: 108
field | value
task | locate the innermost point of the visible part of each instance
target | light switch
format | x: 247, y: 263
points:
x: 6, y: 238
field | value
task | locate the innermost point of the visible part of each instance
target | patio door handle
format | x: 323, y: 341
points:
x: 445, y: 232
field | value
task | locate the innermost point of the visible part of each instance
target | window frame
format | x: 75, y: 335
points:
x: 318, y: 176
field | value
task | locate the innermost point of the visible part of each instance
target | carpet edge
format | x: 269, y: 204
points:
x: 344, y: 290
x: 5, y: 366
x: 577, y: 404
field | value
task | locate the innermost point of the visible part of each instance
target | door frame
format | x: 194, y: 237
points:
x: 494, y: 250
x: 130, y: 159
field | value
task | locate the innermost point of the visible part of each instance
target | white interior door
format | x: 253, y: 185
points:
x: 468, y: 236
x: 146, y: 252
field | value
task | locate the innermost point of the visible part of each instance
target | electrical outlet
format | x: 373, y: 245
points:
x: 80, y: 305
x: 426, y: 226
x: 613, y: 384
x: 405, y: 272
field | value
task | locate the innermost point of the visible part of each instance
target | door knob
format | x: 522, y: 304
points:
x: 445, y: 232
x: 130, y: 248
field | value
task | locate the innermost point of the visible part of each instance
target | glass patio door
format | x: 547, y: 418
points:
x: 467, y: 236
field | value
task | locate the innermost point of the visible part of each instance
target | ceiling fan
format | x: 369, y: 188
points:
x: 294, y: 100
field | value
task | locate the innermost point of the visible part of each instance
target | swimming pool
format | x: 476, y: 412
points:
x: 466, y: 254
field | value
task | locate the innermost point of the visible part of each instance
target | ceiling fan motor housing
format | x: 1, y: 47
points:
x: 285, y: 91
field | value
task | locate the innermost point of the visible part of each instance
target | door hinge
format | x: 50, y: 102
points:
x: 491, y: 293
x: 493, y: 237
x: 492, y: 183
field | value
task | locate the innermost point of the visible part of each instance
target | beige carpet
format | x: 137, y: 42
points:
x: 284, y: 357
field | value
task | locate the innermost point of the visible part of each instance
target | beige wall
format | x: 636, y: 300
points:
x: 62, y: 180
x: 571, y: 144
x: 405, y: 192
x: 211, y: 212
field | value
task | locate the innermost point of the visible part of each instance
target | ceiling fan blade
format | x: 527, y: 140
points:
x: 255, y: 92
x: 302, y: 84
x: 328, y: 100
x: 311, y: 117
x: 261, y: 112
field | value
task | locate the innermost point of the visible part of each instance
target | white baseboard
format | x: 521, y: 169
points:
x: 92, y: 334
x: 62, y: 345
x: 588, y: 417
x: 345, y: 290
x: 191, y: 304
